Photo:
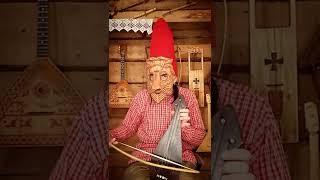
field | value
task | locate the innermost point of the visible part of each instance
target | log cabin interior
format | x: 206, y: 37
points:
x: 40, y: 98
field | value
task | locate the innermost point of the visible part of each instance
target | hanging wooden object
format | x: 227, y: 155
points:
x: 273, y: 53
x: 196, y: 77
x: 312, y: 125
x: 205, y: 146
x: 311, y: 57
x: 38, y: 109
x: 121, y: 95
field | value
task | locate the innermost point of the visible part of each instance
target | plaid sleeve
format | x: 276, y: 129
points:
x: 194, y: 133
x: 85, y: 153
x: 131, y: 122
x: 269, y: 160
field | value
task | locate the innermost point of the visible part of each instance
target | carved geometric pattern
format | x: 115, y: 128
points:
x: 37, y: 108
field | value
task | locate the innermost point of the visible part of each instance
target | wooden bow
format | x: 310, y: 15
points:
x: 182, y: 169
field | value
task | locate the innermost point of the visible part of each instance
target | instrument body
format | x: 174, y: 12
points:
x: 170, y: 145
x: 121, y: 95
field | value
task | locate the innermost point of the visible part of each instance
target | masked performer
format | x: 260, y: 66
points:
x: 152, y: 108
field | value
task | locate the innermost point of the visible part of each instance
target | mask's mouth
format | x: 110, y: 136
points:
x: 157, y: 91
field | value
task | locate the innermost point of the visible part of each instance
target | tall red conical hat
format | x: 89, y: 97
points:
x: 162, y: 43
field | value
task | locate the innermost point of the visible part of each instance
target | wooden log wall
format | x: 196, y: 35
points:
x: 191, y: 28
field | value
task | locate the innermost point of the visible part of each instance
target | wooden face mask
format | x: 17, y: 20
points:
x: 160, y: 78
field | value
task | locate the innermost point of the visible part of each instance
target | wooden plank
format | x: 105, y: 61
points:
x: 136, y: 51
x: 266, y: 11
x: 18, y: 41
x: 282, y: 41
x: 124, y: 35
x: 298, y: 152
x: 22, y: 160
x: 132, y: 69
x: 161, y: 5
x: 237, y: 44
x: 78, y: 33
x: 178, y: 16
x: 242, y: 78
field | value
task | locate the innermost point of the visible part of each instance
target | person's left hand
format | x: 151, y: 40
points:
x: 184, y: 117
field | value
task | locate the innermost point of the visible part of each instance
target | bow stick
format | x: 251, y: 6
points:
x: 183, y: 169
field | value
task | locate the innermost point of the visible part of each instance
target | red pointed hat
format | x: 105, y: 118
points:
x: 162, y: 43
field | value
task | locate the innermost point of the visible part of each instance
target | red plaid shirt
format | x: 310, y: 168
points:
x: 150, y: 120
x: 260, y: 131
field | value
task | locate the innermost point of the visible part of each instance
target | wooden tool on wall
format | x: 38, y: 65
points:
x: 196, y: 77
x: 205, y: 146
x: 312, y: 125
x: 273, y: 66
x: 121, y: 95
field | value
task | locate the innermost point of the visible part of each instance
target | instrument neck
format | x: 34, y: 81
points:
x: 122, y: 67
x: 42, y: 28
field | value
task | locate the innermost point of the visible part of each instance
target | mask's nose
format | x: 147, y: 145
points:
x: 156, y: 84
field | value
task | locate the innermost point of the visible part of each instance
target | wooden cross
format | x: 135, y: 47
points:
x: 273, y: 61
x: 196, y: 80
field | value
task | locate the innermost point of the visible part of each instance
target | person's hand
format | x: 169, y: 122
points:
x: 113, y: 141
x: 236, y: 165
x: 184, y: 117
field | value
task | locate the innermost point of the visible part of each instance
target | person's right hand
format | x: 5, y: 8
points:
x: 113, y: 141
x: 236, y: 165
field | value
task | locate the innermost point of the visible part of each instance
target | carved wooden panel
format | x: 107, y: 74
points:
x: 273, y: 65
x: 39, y: 107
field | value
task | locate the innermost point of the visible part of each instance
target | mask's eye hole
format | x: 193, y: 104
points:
x: 151, y: 76
x: 164, y: 76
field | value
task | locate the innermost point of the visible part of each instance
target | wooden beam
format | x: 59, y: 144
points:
x: 178, y: 16
x: 162, y: 5
x: 177, y: 34
x: 136, y: 49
